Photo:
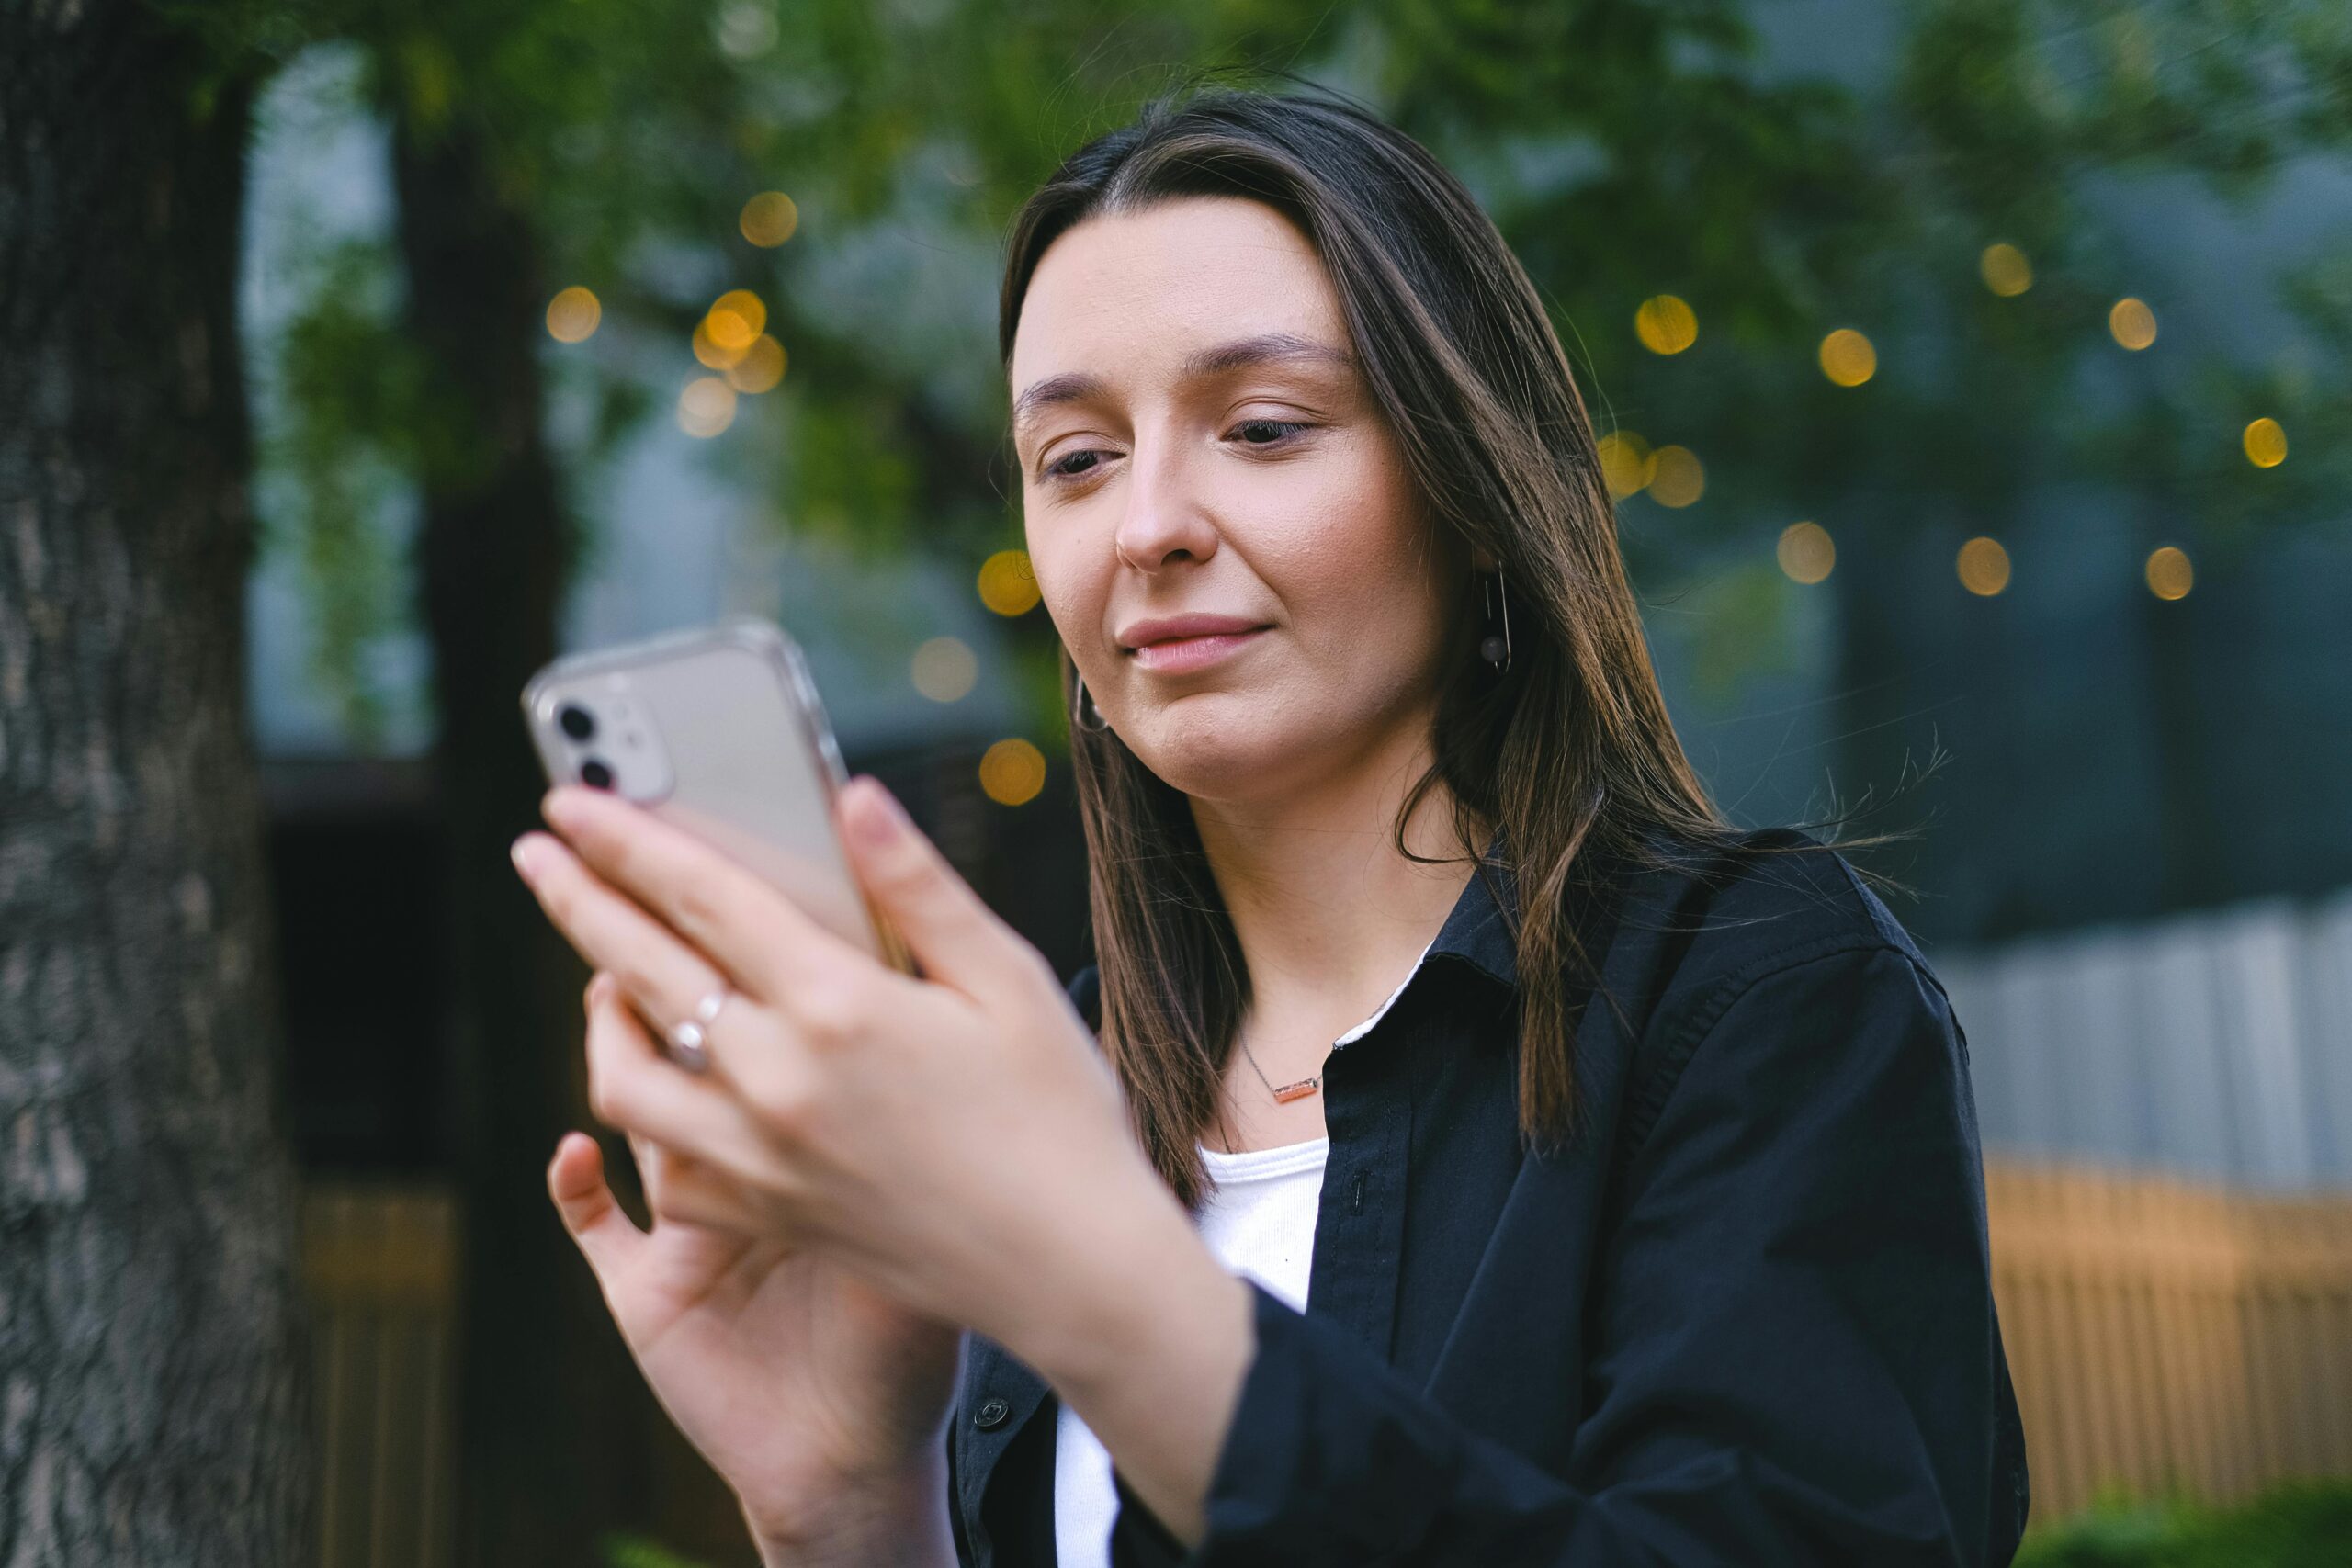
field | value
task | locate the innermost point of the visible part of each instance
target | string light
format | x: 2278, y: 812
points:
x: 2265, y: 444
x: 1007, y: 584
x: 706, y: 407
x: 1666, y: 325
x: 1012, y: 772
x: 1984, y: 567
x: 761, y: 367
x: 2169, y: 573
x: 945, y: 670
x: 2004, y: 270
x: 769, y: 218
x: 735, y: 319
x: 1847, y: 358
x: 572, y: 315
x: 2131, y: 323
x: 1676, y: 478
x: 1806, y: 552
x: 1627, y: 464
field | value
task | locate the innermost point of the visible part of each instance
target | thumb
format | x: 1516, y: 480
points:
x: 952, y: 933
x: 607, y: 1237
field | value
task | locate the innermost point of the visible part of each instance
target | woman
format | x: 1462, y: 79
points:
x: 1323, y: 1221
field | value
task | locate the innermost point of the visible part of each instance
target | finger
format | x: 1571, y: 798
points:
x: 675, y: 1183
x: 666, y: 977
x: 767, y: 941
x: 606, y: 1236
x: 652, y: 1173
x: 951, y: 931
x: 632, y: 1086
x: 680, y: 1188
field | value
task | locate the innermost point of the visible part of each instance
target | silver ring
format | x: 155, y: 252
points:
x: 689, y: 1038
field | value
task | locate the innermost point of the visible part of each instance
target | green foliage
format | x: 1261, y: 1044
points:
x: 1625, y: 150
x: 638, y: 1551
x: 1737, y: 615
x: 2303, y: 1524
x: 335, y: 461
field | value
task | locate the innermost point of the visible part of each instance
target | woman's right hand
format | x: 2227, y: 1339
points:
x: 819, y: 1401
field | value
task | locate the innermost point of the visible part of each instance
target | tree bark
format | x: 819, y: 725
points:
x: 555, y: 1420
x: 153, y: 1402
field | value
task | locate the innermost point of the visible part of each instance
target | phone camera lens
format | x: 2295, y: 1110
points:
x: 595, y: 775
x: 577, y: 721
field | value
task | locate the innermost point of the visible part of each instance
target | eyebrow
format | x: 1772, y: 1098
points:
x: 1076, y: 386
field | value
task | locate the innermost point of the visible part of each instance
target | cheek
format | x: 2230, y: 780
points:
x: 1353, y: 557
x: 1073, y: 597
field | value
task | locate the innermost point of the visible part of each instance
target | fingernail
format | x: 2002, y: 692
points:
x: 520, y: 852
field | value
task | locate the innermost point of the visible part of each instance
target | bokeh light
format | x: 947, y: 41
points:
x: 2133, y: 324
x: 1012, y: 772
x: 769, y: 218
x: 760, y: 367
x: 735, y: 320
x: 1008, y: 585
x: 2004, y: 270
x: 1677, y: 478
x: 1984, y: 567
x: 745, y: 29
x: 1627, y: 464
x: 706, y: 407
x: 572, y: 315
x: 946, y: 668
x: 2169, y: 574
x: 1847, y: 358
x: 1666, y: 325
x: 2265, y: 444
x: 709, y: 350
x: 1806, y: 552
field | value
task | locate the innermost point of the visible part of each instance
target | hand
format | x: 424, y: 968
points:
x: 955, y: 1140
x: 808, y: 1392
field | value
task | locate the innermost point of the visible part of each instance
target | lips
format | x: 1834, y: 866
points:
x: 1142, y: 634
x: 1184, y: 655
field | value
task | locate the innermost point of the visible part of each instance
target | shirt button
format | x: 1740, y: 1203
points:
x: 990, y: 1415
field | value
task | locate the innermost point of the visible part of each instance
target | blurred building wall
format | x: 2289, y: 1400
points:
x: 2216, y: 1046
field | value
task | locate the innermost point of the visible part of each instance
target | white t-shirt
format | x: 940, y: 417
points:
x: 1260, y: 1221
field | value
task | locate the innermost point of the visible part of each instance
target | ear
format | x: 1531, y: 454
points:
x: 1482, y: 559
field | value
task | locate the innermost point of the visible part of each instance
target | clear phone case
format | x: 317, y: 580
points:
x: 716, y: 729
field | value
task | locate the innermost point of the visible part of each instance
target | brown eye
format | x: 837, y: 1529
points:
x: 1055, y: 469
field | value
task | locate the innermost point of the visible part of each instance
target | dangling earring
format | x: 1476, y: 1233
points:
x: 1078, y: 707
x: 1495, y: 648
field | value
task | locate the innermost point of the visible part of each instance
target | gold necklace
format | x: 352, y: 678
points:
x: 1288, y: 1091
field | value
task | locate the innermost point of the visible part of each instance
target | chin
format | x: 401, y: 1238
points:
x: 1223, y: 744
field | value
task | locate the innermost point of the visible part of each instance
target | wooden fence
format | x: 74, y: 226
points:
x: 2164, y: 1334
x: 2158, y: 1333
x: 382, y: 1265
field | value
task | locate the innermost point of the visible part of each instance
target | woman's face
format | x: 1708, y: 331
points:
x: 1194, y: 440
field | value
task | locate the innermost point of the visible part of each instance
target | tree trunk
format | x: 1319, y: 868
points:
x: 152, y: 1344
x: 554, y: 1418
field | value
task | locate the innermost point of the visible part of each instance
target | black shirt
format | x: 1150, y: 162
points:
x: 1746, y: 1317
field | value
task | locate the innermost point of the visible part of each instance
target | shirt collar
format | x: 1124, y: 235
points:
x: 1478, y: 934
x: 1475, y: 932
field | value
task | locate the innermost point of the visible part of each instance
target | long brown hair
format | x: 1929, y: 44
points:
x: 1568, y: 756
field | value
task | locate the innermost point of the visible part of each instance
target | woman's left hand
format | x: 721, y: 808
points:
x: 957, y: 1139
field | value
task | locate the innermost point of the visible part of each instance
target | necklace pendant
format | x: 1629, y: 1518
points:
x: 1298, y: 1090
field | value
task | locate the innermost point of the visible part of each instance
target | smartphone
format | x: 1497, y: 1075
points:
x: 717, y: 730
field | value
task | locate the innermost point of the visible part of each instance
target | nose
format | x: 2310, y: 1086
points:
x: 1164, y: 520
